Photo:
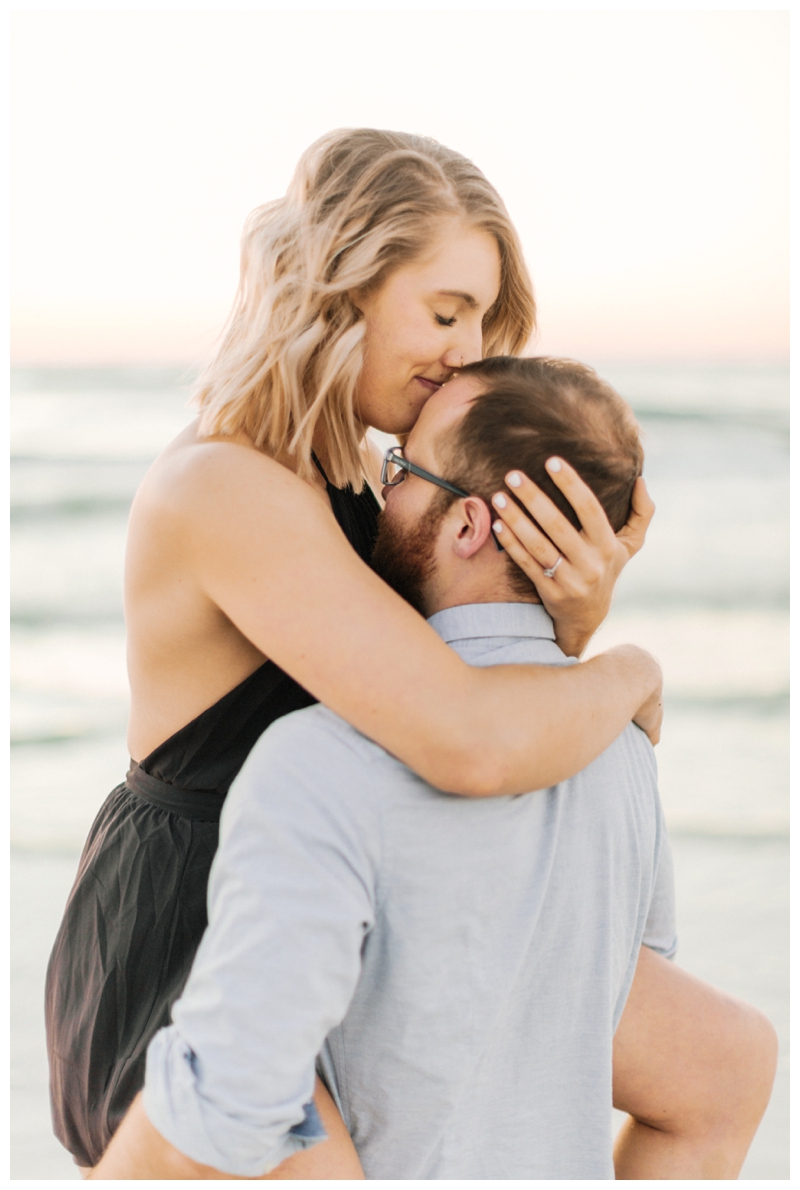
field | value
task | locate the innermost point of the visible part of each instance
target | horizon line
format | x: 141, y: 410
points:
x: 688, y: 360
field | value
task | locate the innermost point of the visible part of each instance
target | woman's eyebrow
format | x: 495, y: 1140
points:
x: 465, y: 297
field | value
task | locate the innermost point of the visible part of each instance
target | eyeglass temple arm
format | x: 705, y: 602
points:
x: 392, y: 456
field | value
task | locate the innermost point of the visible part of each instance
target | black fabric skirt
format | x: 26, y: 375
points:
x: 133, y: 922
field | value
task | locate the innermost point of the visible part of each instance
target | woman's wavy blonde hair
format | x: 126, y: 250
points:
x: 361, y: 203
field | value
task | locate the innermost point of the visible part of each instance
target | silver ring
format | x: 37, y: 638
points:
x: 552, y: 569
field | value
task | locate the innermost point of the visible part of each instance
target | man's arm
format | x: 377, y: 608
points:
x: 139, y: 1152
x: 228, y: 1084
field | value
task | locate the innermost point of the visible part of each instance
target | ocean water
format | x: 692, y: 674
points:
x: 708, y: 596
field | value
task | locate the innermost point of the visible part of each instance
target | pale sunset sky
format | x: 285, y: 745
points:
x: 643, y: 156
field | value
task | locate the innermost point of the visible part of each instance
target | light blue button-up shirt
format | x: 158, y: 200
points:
x: 458, y: 964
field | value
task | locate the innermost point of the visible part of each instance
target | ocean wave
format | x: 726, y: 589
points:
x: 774, y: 421
x: 751, y: 704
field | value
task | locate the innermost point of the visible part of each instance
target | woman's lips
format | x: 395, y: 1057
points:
x: 429, y: 385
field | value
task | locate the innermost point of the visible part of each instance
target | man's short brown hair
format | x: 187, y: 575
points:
x: 532, y: 409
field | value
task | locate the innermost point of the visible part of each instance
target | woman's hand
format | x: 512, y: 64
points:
x: 576, y: 591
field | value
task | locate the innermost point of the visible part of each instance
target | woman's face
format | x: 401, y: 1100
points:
x: 424, y: 323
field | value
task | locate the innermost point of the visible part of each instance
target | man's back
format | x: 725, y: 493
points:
x: 468, y: 958
x: 478, y: 1041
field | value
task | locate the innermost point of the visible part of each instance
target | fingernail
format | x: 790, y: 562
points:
x: 498, y: 526
x: 514, y: 480
x: 499, y: 500
x: 553, y: 464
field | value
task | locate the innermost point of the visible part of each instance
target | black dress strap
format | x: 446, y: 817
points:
x: 320, y: 468
x: 356, y: 512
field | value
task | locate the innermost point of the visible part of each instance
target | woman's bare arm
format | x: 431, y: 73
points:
x: 265, y: 549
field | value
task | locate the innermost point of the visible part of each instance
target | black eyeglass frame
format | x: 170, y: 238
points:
x: 392, y: 456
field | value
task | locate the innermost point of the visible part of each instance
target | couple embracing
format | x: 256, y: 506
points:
x: 393, y: 981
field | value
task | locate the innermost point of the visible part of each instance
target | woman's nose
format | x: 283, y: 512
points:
x: 465, y: 348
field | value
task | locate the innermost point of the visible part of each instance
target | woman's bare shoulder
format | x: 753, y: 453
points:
x: 195, y: 475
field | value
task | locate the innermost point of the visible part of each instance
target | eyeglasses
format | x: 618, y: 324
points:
x: 395, y: 466
x: 393, y: 472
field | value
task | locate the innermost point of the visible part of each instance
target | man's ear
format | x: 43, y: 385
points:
x: 473, y: 526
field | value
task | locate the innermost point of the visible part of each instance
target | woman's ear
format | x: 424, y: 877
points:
x: 359, y: 298
x: 473, y: 527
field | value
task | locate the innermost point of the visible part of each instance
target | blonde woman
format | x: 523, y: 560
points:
x: 389, y: 264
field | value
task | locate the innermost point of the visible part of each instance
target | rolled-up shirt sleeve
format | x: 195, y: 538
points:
x: 291, y: 899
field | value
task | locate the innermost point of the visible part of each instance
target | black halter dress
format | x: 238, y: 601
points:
x: 137, y: 910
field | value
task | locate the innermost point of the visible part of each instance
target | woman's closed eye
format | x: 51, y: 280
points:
x: 445, y: 321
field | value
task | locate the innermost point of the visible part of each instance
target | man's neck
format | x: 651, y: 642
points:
x: 482, y: 577
x: 446, y: 599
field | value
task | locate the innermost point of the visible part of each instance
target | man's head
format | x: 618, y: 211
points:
x: 497, y: 415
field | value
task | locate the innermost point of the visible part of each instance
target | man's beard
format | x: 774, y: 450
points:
x: 404, y: 558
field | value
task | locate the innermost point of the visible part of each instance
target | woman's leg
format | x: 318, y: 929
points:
x: 335, y: 1159
x: 694, y: 1068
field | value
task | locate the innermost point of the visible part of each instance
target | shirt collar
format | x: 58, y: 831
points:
x: 492, y: 619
